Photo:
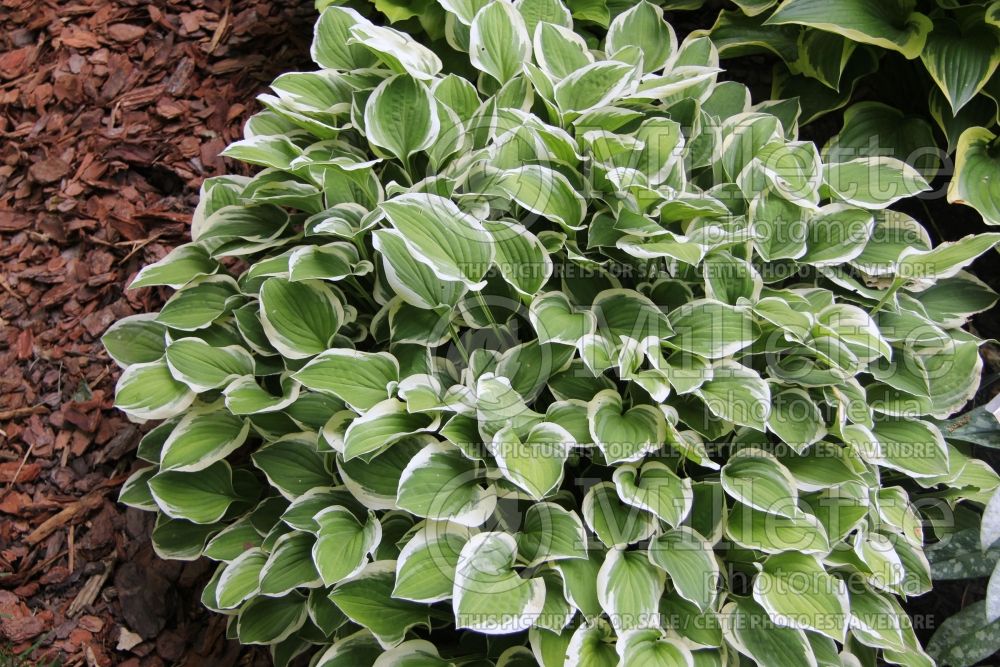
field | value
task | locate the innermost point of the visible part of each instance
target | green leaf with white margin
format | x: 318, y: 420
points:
x: 374, y: 482
x: 499, y: 42
x: 549, y: 648
x: 545, y: 192
x: 643, y: 26
x: 452, y: 243
x: 594, y: 86
x: 136, y: 339
x: 975, y: 183
x: 202, y: 367
x: 873, y: 182
x: 293, y: 466
x: 749, y: 629
x: 756, y: 478
x: 425, y: 570
x: 240, y: 579
x: 300, y: 318
x: 366, y: 598
x: 912, y: 446
x: 203, y: 497
x: 330, y: 47
x: 398, y: 50
x: 946, y: 259
x: 650, y: 647
x: 793, y: 171
x: 149, y: 391
x: 550, y: 533
x: 360, y: 648
x: 489, y: 596
x: 615, y: 523
x: 961, y: 59
x: 201, y: 438
x: 837, y: 233
x: 411, y: 279
x: 796, y: 590
x: 521, y: 258
x: 535, y: 463
x: 712, y: 329
x: 441, y: 483
x: 688, y: 559
x: 629, y: 588
x: 556, y: 320
x: 559, y: 51
x: 245, y: 397
x: 360, y: 379
x: 135, y: 491
x: 401, y: 117
x: 795, y: 418
x: 592, y: 645
x: 737, y: 394
x: 624, y: 435
x: 965, y: 638
x: 199, y: 304
x: 891, y: 25
x: 778, y: 227
x: 290, y: 565
x: 655, y: 488
x: 382, y: 425
x: 343, y: 543
x: 412, y: 653
x: 873, y: 620
x: 266, y: 620
x: 854, y: 328
x: 179, y: 267
x: 776, y: 533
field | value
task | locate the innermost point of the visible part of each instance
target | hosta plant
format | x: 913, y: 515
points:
x: 586, y: 361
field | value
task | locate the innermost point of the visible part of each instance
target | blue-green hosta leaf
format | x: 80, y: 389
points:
x: 961, y: 60
x: 489, y: 596
x: 267, y: 620
x: 965, y: 638
x: 343, y: 543
x: 757, y: 479
x: 366, y: 599
x: 203, y: 497
x: 655, y: 488
x: 399, y: 51
x: 550, y: 533
x: 629, y: 588
x: 441, y: 483
x: 453, y: 244
x: 643, y: 26
x: 891, y: 25
x: 301, y: 318
x: 650, y: 647
x: 425, y: 570
x: 360, y: 379
x: 737, y: 394
x: 499, y: 41
x: 712, y: 329
x: 202, y: 367
x: 873, y: 182
x: 559, y: 51
x: 534, y: 463
x: 181, y: 265
x: 401, y: 117
x: 776, y: 533
x: 293, y: 466
x: 381, y: 426
x: 545, y: 192
x: 331, y: 47
x: 201, y: 438
x: 149, y: 391
x: 975, y: 182
x: 796, y: 419
x: 624, y: 435
x: 615, y: 523
x: 750, y: 630
x: 688, y: 559
x: 796, y: 590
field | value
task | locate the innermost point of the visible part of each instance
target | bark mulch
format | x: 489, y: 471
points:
x: 112, y: 112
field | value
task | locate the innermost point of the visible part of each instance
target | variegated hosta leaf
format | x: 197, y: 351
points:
x: 558, y: 337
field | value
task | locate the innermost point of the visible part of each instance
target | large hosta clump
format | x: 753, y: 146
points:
x: 587, y: 361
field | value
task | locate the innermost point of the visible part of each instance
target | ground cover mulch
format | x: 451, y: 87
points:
x: 112, y: 112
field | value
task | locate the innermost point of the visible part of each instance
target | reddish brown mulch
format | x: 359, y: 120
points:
x: 112, y: 112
